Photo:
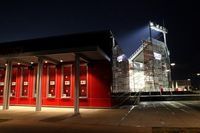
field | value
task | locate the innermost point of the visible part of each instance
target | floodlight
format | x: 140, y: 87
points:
x: 151, y: 24
x: 172, y: 64
x: 157, y: 27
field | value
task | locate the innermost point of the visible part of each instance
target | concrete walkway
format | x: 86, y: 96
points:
x: 147, y: 117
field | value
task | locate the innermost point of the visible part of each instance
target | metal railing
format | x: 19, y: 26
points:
x: 136, y: 98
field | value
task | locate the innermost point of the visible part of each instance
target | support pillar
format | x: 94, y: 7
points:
x: 77, y: 80
x: 39, y: 85
x: 7, y: 85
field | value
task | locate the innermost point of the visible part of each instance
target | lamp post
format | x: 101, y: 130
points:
x: 198, y: 76
x: 188, y: 84
x: 172, y: 66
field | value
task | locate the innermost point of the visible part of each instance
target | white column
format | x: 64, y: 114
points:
x: 7, y: 85
x: 77, y: 80
x: 39, y: 85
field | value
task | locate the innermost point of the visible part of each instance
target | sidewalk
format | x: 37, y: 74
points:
x: 145, y: 118
x: 51, y: 120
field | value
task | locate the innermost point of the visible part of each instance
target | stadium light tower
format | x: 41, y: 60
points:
x: 162, y: 29
x: 158, y: 28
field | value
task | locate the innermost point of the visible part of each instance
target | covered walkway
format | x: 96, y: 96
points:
x: 66, y: 71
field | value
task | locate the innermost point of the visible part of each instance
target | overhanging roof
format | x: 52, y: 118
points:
x: 91, y: 46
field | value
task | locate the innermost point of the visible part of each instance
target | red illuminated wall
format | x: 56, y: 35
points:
x: 100, y: 79
x: 2, y: 76
x: 15, y: 85
x: 22, y: 86
x: 58, y: 88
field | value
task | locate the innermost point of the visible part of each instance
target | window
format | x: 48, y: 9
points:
x: 51, y: 81
x: 66, y: 81
x: 13, y: 83
x: 83, y: 91
x: 2, y: 76
x: 33, y: 73
x: 24, y: 82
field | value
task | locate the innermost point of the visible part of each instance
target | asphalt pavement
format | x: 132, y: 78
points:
x: 147, y: 117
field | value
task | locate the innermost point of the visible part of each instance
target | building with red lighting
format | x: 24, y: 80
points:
x: 70, y: 70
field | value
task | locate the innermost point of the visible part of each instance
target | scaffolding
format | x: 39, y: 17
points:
x: 148, y: 62
x: 156, y: 66
x: 153, y: 73
x: 120, y: 69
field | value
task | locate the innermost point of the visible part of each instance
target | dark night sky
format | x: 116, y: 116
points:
x: 24, y: 19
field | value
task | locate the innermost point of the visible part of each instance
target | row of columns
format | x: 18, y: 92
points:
x: 8, y: 81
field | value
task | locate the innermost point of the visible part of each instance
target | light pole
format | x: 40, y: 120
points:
x: 188, y: 84
x: 172, y: 66
x: 198, y: 75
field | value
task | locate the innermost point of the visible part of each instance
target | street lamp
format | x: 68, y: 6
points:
x: 173, y: 64
x: 198, y: 75
x: 188, y: 84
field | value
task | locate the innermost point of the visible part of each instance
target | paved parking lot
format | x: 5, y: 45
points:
x: 146, y: 117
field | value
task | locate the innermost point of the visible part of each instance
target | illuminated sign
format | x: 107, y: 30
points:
x: 13, y: 83
x: 1, y: 83
x: 52, y: 82
x: 83, y: 82
x: 26, y: 83
x: 67, y: 82
x: 121, y: 58
x: 157, y: 56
